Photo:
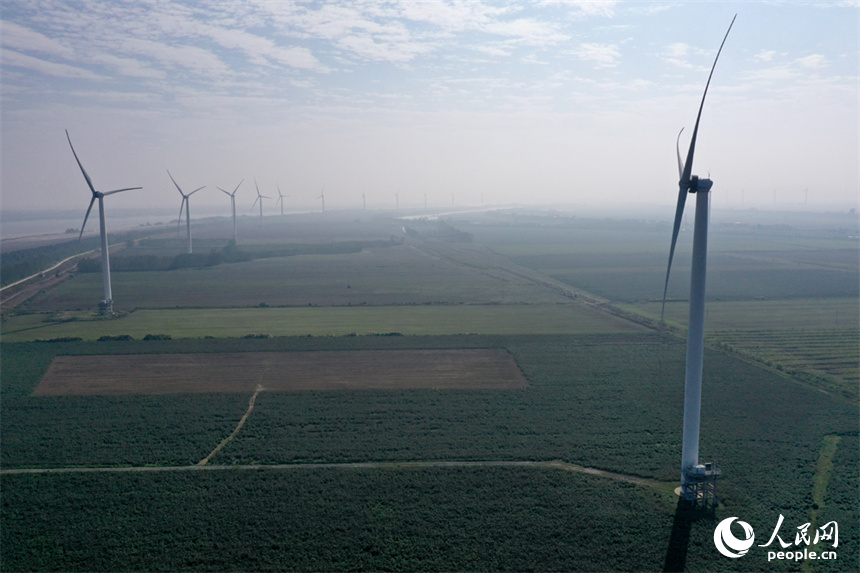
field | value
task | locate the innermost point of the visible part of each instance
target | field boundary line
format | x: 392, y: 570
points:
x: 549, y: 464
x: 241, y: 423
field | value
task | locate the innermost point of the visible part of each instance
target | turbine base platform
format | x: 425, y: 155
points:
x: 106, y: 307
x: 699, y: 486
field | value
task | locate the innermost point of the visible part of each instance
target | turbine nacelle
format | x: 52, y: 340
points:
x: 695, y: 185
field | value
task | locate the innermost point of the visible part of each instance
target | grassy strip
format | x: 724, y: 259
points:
x: 823, y: 471
x: 324, y: 321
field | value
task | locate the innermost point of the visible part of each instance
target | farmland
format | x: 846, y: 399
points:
x: 323, y: 321
x: 600, y: 391
x: 280, y: 372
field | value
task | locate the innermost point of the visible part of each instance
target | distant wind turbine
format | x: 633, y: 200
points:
x: 233, y: 205
x: 322, y: 198
x: 694, y: 477
x: 185, y: 203
x: 281, y: 197
x: 106, y: 305
x: 363, y: 201
x: 397, y: 201
x: 260, y: 199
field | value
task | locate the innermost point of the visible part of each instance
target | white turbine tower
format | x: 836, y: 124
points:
x: 363, y: 201
x: 186, y: 204
x: 281, y: 197
x: 397, y: 201
x: 233, y: 205
x: 322, y: 198
x: 694, y: 477
x: 106, y: 305
x: 260, y: 199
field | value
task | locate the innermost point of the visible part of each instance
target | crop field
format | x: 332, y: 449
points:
x: 629, y: 263
x: 279, y: 372
x: 795, y: 313
x: 816, y: 340
x: 323, y: 321
x: 596, y: 400
x: 385, y: 276
x: 420, y: 368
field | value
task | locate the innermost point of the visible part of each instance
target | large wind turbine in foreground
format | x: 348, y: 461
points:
x: 233, y: 205
x: 186, y: 204
x: 106, y: 305
x: 260, y: 199
x: 697, y: 481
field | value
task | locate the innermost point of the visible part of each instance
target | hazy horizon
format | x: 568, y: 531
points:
x: 549, y: 103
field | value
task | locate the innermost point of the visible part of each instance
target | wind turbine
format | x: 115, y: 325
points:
x: 694, y: 477
x: 363, y: 201
x: 281, y: 197
x: 260, y: 199
x: 322, y: 197
x: 185, y: 203
x: 397, y: 201
x: 106, y: 305
x: 233, y: 205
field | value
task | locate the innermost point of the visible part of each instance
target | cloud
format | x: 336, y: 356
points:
x: 527, y: 31
x: 812, y: 61
x: 12, y: 58
x: 765, y: 56
x: 604, y: 8
x: 191, y: 58
x: 260, y: 50
x: 24, y: 39
x: 129, y: 66
x: 601, y: 55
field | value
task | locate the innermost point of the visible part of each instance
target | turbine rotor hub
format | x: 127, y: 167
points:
x: 695, y: 185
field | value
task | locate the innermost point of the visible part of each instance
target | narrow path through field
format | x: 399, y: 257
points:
x: 823, y: 470
x: 241, y: 423
x: 551, y: 464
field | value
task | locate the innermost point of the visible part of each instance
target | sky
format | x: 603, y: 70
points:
x: 463, y: 102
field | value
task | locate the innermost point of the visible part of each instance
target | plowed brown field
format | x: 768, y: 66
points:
x: 280, y: 371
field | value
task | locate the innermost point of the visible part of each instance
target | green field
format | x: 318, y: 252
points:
x: 596, y: 400
x: 603, y: 392
x: 393, y: 275
x: 324, y: 321
x: 795, y: 313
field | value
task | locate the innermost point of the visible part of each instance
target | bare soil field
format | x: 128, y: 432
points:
x: 280, y: 372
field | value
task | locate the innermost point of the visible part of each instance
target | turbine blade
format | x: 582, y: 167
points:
x: 87, y: 216
x: 237, y: 187
x: 106, y: 193
x: 222, y: 191
x: 84, y: 171
x: 181, y: 205
x: 255, y: 202
x: 678, y: 151
x: 175, y: 183
x: 676, y: 227
x: 196, y: 190
x: 688, y: 165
